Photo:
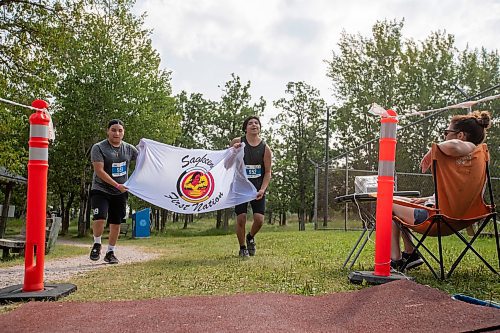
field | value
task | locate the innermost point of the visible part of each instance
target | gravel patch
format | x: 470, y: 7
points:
x: 65, y: 268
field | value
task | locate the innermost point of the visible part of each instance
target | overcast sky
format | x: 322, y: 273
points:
x: 273, y: 42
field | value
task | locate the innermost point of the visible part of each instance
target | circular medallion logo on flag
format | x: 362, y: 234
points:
x: 195, y: 185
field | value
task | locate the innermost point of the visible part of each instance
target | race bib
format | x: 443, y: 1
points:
x: 254, y: 171
x: 119, y: 169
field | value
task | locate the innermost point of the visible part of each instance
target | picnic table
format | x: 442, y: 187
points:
x: 16, y: 244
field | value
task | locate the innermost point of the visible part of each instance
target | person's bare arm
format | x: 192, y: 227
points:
x: 267, y: 175
x: 426, y: 161
x: 454, y: 147
x: 99, y: 170
x: 420, y: 201
x: 235, y: 145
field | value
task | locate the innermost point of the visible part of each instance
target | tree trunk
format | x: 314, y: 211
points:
x: 5, y: 208
x: 65, y: 209
x: 301, y: 212
x: 227, y: 215
x: 301, y: 215
x: 269, y: 217
x: 218, y: 223
x: 63, y: 212
x: 163, y: 219
x: 156, y: 220
x: 130, y: 210
x: 152, y: 219
x: 301, y: 220
x: 82, y: 221
x: 88, y: 209
x: 283, y: 218
x: 82, y: 228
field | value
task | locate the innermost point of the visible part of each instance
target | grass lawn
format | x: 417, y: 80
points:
x: 204, y: 261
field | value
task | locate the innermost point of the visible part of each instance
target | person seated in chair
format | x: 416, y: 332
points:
x: 461, y: 137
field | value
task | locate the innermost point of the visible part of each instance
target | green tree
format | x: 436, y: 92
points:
x: 196, y: 114
x: 364, y: 72
x: 392, y: 72
x: 111, y: 71
x: 427, y: 68
x: 406, y: 75
x: 227, y: 116
x: 300, y: 125
x: 30, y: 32
x: 278, y: 195
x: 28, y: 70
x: 479, y: 70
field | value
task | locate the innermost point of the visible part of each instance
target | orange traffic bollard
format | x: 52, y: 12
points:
x: 385, y: 191
x: 37, y: 198
x: 34, y: 289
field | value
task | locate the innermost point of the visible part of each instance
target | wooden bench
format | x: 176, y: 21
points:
x: 8, y: 245
x: 124, y: 229
x: 16, y: 244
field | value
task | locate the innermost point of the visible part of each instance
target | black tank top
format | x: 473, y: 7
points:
x: 254, y: 162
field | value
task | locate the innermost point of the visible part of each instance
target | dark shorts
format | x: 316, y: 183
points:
x: 112, y: 207
x: 420, y: 215
x: 258, y: 207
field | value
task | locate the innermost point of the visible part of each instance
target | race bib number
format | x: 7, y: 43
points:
x: 119, y: 169
x: 254, y: 171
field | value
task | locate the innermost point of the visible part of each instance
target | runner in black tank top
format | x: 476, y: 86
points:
x: 257, y: 158
x: 254, y: 162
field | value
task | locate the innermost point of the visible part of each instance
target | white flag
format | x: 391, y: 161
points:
x: 190, y: 180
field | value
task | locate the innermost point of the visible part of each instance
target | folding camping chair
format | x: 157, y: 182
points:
x: 459, y: 185
x: 367, y: 216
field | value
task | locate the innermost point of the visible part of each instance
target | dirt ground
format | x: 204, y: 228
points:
x: 63, y: 269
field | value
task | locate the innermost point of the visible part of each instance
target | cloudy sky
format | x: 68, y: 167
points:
x: 273, y: 42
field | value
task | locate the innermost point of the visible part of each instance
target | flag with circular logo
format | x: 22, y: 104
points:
x: 190, y: 180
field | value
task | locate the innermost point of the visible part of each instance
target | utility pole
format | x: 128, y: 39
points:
x: 327, y: 158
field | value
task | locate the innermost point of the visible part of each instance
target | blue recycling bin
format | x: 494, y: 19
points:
x: 141, y: 221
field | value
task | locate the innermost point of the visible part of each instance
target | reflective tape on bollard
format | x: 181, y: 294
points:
x: 40, y: 154
x: 39, y: 131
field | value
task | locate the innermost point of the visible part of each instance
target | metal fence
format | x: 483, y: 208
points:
x: 342, y: 172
